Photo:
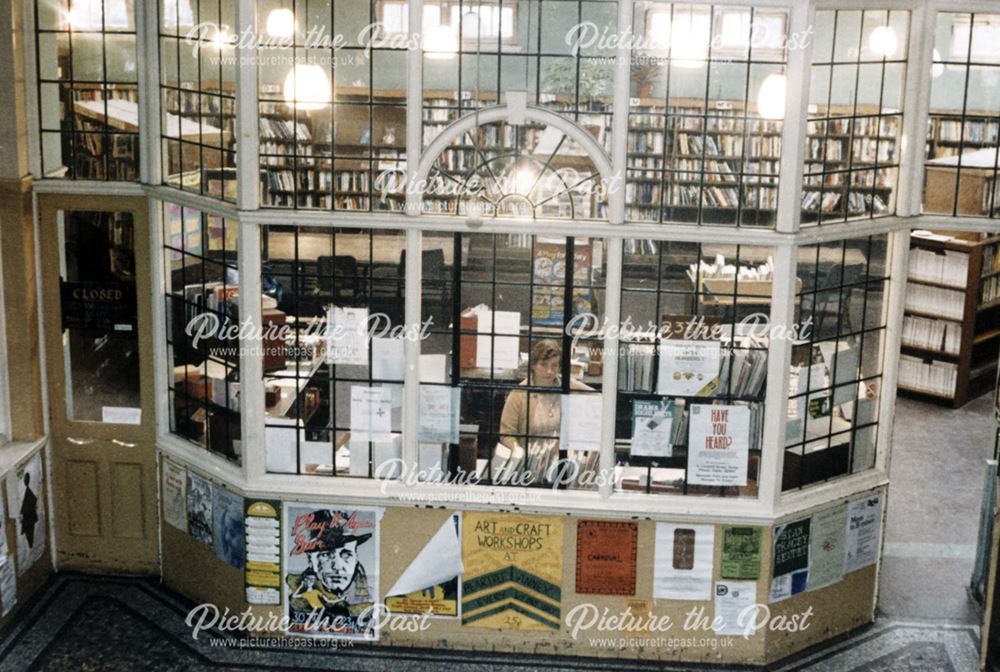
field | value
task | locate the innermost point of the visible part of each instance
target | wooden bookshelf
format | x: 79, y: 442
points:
x: 963, y: 344
x: 684, y: 161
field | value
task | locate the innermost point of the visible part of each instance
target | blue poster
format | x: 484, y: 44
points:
x: 227, y: 510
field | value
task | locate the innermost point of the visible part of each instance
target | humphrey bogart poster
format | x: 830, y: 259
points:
x: 331, y: 571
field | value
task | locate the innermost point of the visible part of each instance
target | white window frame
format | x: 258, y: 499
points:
x: 659, y: 43
x: 769, y: 506
x: 447, y: 14
x: 966, y: 42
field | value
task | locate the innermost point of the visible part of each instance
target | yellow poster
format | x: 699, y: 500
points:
x: 513, y: 571
x: 439, y: 600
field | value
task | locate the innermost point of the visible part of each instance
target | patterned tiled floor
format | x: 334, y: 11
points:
x: 84, y: 623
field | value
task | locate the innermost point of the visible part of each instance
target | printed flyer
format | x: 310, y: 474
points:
x: 513, y: 571
x: 331, y: 571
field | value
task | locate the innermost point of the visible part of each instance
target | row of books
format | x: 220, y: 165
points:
x: 830, y: 201
x: 931, y: 334
x: 287, y: 130
x: 883, y: 127
x: 971, y: 131
x: 989, y: 289
x: 882, y: 179
x: 742, y: 371
x: 934, y: 377
x: 946, y: 303
x: 991, y: 258
x: 948, y: 267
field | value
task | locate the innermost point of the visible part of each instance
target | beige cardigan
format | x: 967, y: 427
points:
x: 514, y: 419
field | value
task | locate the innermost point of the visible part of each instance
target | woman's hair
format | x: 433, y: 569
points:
x: 546, y: 349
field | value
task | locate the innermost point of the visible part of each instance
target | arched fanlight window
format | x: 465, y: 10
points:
x: 525, y: 171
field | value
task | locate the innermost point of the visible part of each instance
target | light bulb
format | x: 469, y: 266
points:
x: 882, y: 41
x: 937, y: 67
x: 84, y: 15
x: 221, y: 38
x: 440, y: 42
x: 688, y: 51
x: 281, y: 23
x: 307, y: 87
x: 524, y: 178
x: 771, y: 97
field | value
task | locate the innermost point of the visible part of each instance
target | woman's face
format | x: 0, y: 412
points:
x: 544, y: 372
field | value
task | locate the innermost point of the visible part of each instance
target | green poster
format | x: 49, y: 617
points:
x: 741, y: 552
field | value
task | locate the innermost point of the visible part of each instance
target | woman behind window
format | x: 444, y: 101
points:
x: 532, y: 419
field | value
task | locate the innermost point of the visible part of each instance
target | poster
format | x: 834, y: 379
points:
x: 429, y: 585
x: 199, y: 508
x: 262, y: 573
x: 718, y: 445
x: 227, y: 516
x: 347, y: 336
x: 864, y: 522
x: 580, y: 421
x: 494, y: 349
x: 826, y: 547
x: 688, y: 368
x: 606, y: 557
x: 175, y: 495
x: 371, y: 413
x: 25, y: 503
x: 741, y: 552
x: 791, y: 560
x: 549, y: 268
x: 513, y: 571
x: 331, y: 571
x: 734, y: 599
x: 8, y: 585
x: 4, y: 550
x: 682, y: 568
x: 652, y: 424
x: 439, y: 411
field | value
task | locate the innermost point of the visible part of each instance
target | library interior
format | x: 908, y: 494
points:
x: 431, y: 330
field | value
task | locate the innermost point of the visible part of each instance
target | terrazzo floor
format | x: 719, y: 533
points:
x: 117, y: 624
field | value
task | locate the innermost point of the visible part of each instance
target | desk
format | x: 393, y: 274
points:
x: 974, y: 184
x: 123, y: 116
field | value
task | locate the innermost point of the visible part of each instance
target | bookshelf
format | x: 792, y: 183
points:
x: 678, y: 152
x: 951, y: 320
x: 357, y: 163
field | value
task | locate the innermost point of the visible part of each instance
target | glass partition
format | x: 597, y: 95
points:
x: 333, y: 350
x: 962, y: 135
x: 198, y: 60
x: 332, y: 95
x: 855, y: 115
x: 836, y: 374
x: 202, y: 311
x: 705, y: 114
x: 87, y: 91
x: 692, y: 367
x: 525, y: 371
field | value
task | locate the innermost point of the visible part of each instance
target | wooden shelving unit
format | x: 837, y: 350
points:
x: 963, y: 344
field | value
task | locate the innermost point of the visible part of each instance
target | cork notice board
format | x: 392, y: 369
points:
x: 606, y: 557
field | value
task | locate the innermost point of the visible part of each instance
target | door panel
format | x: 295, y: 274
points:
x: 96, y: 291
x: 83, y: 489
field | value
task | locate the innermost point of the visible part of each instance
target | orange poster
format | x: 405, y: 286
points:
x: 606, y: 557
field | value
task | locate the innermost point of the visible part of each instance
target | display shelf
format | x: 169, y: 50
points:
x: 946, y: 268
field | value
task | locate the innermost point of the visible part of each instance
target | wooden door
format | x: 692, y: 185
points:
x: 99, y: 360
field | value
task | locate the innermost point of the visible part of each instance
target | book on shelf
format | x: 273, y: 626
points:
x: 944, y: 267
x: 934, y: 377
x: 946, y: 303
x: 930, y: 334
